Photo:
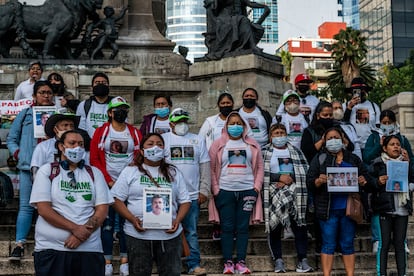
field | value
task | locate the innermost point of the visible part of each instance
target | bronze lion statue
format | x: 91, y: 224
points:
x: 56, y: 22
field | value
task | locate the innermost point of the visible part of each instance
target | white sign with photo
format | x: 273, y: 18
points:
x: 40, y: 115
x: 397, y: 172
x: 157, y: 208
x: 342, y: 179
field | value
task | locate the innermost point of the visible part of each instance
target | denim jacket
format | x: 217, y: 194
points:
x: 21, y: 137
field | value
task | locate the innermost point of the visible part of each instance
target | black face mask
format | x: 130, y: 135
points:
x: 363, y: 96
x: 58, y: 89
x: 101, y: 90
x: 249, y: 103
x: 326, y: 122
x: 303, y: 89
x: 225, y: 110
x: 120, y: 115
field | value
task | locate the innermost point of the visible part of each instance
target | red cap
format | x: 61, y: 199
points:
x: 303, y: 78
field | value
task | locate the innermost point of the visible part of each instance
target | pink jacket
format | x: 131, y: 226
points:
x: 216, y: 152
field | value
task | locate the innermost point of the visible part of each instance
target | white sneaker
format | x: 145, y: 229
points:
x: 109, y: 270
x: 407, y: 250
x: 375, y: 247
x: 124, y: 270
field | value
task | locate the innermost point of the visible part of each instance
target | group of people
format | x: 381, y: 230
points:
x: 249, y: 166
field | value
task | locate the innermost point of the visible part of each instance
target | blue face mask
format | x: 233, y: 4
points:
x: 235, y: 131
x: 334, y: 145
x: 279, y: 142
x: 388, y: 129
x: 162, y: 112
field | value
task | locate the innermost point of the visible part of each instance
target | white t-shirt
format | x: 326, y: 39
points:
x: 364, y: 118
x: 160, y: 126
x: 97, y: 116
x: 308, y: 103
x: 24, y: 90
x: 119, y: 151
x: 294, y: 128
x: 236, y: 167
x: 130, y: 186
x: 44, y: 153
x: 75, y: 204
x: 281, y: 162
x: 211, y: 129
x: 187, y: 153
x: 257, y: 125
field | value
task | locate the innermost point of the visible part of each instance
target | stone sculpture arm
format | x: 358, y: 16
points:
x: 255, y: 5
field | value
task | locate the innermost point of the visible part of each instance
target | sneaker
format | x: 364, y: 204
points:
x: 216, y: 235
x: 280, y: 266
x: 17, y: 254
x: 303, y: 266
x: 109, y: 269
x: 375, y: 247
x: 407, y: 250
x: 124, y: 270
x: 241, y: 268
x: 228, y: 268
x: 198, y: 271
x: 288, y: 233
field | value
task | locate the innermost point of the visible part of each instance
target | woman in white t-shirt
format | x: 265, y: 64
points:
x: 150, y: 174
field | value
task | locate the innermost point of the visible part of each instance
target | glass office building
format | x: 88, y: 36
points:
x: 350, y: 13
x: 186, y: 22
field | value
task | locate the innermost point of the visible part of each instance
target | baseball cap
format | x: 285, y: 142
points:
x: 118, y: 101
x: 57, y: 117
x: 178, y: 114
x: 303, y: 78
x: 288, y: 94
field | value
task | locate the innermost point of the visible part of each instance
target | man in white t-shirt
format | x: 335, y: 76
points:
x: 93, y: 111
x: 308, y: 102
x: 363, y: 114
x: 188, y: 152
x: 25, y: 89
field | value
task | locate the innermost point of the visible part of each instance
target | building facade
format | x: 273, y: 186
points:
x: 349, y: 9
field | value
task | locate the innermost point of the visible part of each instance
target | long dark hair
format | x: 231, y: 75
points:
x: 166, y: 169
x: 315, y: 124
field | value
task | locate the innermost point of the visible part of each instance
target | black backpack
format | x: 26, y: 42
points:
x: 6, y: 190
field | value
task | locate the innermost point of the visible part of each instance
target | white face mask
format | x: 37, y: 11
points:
x: 292, y: 108
x: 181, y: 129
x: 338, y: 114
x: 154, y: 154
x: 334, y: 145
x: 75, y: 155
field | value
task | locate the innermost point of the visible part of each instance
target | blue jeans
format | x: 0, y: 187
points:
x: 190, y: 230
x: 107, y: 235
x: 234, y: 210
x: 337, y: 224
x: 25, y: 215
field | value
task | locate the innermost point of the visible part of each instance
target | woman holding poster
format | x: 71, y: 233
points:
x: 150, y: 174
x: 393, y: 206
x: 330, y: 208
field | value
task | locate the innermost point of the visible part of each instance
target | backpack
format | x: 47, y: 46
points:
x: 6, y: 190
x: 88, y: 104
x: 55, y: 170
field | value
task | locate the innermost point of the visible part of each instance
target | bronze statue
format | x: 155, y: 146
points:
x: 56, y: 22
x: 229, y: 30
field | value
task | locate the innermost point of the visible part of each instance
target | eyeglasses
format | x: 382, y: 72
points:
x: 72, y: 181
x: 180, y: 113
x: 45, y: 92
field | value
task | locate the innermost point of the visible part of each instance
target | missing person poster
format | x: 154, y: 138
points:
x: 342, y: 179
x: 40, y: 116
x: 397, y: 172
x: 157, y: 208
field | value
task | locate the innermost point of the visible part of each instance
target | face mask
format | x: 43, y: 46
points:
x: 303, y: 88
x: 225, y: 110
x: 101, y: 90
x: 387, y: 130
x: 235, y: 131
x: 154, y: 154
x: 59, y: 134
x: 57, y: 89
x: 181, y: 129
x: 338, y: 114
x: 334, y: 145
x: 363, y: 97
x: 292, y: 108
x: 162, y: 112
x: 249, y: 103
x: 120, y: 115
x: 75, y: 155
x: 279, y: 142
x: 326, y: 122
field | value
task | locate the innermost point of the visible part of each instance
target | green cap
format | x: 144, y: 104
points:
x: 178, y: 114
x: 118, y: 101
x: 288, y: 94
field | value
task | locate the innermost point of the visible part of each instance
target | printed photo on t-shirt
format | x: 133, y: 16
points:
x: 237, y: 158
x: 183, y: 153
x: 176, y: 152
x: 285, y: 165
x: 254, y: 124
x: 295, y: 127
x: 161, y: 130
x: 119, y: 147
x: 362, y: 116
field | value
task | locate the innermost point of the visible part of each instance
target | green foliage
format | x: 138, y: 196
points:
x: 287, y: 62
x: 349, y: 45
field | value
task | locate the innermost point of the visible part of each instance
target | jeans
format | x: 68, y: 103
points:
x: 301, y: 240
x: 107, y: 235
x: 166, y: 254
x: 337, y: 224
x: 397, y: 225
x: 234, y: 210
x: 190, y: 229
x: 375, y: 228
x: 25, y: 215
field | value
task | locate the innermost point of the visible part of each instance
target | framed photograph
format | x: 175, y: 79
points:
x: 40, y: 115
x: 157, y: 208
x: 397, y: 172
x: 342, y: 179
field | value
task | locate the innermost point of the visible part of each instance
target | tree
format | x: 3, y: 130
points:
x: 287, y: 62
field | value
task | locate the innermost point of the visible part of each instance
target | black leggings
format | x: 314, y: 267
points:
x: 397, y: 226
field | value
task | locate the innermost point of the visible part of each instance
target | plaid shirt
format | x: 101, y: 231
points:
x: 276, y: 207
